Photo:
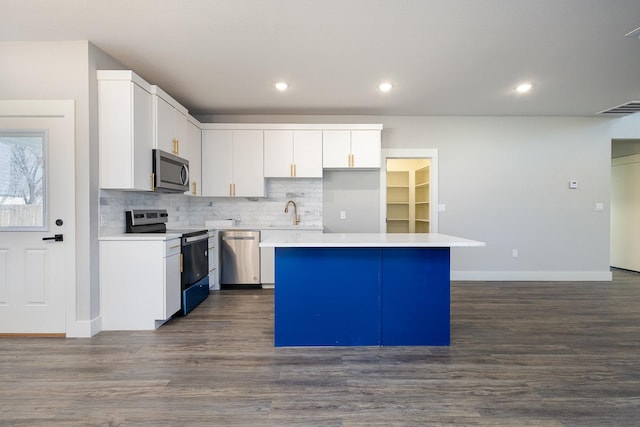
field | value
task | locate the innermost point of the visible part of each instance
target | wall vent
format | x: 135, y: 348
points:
x: 624, y: 109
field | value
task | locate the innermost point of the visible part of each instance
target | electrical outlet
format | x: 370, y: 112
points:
x: 343, y: 215
x: 514, y: 253
x: 103, y: 219
x: 442, y: 207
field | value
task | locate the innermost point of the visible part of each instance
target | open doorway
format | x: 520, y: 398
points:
x: 409, y: 191
x: 625, y: 204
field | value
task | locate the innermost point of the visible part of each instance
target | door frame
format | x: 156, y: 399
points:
x: 63, y: 110
x: 411, y: 153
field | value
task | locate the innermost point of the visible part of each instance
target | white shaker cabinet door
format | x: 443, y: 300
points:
x: 336, y: 148
x: 217, y: 177
x: 180, y: 132
x: 163, y: 125
x: 307, y: 153
x: 171, y: 285
x: 191, y: 149
x: 248, y: 163
x: 365, y: 148
x: 278, y: 153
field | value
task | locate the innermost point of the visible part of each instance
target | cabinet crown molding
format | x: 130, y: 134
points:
x: 290, y: 126
x: 127, y: 75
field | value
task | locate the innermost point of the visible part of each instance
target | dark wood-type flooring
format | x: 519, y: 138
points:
x: 522, y: 354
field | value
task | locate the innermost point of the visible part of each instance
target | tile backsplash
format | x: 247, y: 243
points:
x: 185, y: 211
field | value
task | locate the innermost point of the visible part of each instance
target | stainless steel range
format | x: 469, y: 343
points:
x: 194, y: 252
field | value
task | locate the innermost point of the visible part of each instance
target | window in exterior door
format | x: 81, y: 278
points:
x: 23, y: 191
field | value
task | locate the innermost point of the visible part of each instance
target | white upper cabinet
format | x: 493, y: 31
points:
x: 191, y: 150
x: 351, y: 148
x: 293, y: 153
x: 336, y: 148
x: 232, y: 163
x: 366, y: 148
x: 170, y: 122
x: 125, y: 115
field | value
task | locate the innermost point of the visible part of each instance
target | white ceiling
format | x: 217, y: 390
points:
x: 444, y: 57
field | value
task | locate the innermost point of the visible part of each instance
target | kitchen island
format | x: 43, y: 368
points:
x: 362, y: 289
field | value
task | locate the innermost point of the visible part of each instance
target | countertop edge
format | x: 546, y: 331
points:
x: 369, y: 240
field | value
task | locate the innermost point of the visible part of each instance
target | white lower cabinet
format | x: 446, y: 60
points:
x: 139, y: 282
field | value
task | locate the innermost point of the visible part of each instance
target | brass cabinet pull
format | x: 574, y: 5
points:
x: 234, y: 189
x: 181, y: 263
x: 295, y: 173
x: 153, y: 181
x: 175, y: 146
x: 174, y: 247
x: 290, y: 169
x: 231, y: 189
x: 194, y: 192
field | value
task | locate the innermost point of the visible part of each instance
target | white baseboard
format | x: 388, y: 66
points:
x: 85, y: 328
x: 538, y: 276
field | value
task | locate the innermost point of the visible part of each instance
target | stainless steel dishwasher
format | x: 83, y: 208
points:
x: 239, y: 257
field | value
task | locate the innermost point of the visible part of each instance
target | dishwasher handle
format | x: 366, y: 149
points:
x: 238, y: 237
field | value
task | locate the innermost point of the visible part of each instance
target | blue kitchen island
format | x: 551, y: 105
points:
x: 363, y: 289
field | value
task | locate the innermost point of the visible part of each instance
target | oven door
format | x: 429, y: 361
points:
x: 195, y: 259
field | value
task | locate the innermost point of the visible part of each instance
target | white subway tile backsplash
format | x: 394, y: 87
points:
x: 185, y: 211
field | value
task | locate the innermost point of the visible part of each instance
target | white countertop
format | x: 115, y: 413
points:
x: 266, y: 227
x: 141, y: 236
x: 367, y: 240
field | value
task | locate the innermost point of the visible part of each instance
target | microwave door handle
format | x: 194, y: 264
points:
x: 184, y: 174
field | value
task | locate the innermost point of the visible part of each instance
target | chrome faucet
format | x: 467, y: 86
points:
x: 296, y: 217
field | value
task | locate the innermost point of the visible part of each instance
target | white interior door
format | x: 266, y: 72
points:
x: 37, y: 203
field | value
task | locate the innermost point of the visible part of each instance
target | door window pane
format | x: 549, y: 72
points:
x: 22, y: 180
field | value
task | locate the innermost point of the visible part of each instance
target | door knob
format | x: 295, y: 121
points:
x: 55, y: 238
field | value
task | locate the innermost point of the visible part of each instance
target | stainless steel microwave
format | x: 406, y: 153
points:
x: 170, y: 173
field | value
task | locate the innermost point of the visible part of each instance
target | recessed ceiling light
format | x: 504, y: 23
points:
x: 524, y: 87
x: 385, y: 87
x: 281, y: 86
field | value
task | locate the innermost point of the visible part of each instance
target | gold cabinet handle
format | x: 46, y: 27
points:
x: 231, y: 189
x: 295, y: 173
x: 234, y: 189
x: 153, y: 181
x: 290, y: 169
x: 174, y: 247
x: 175, y: 146
x: 181, y: 263
x: 195, y: 191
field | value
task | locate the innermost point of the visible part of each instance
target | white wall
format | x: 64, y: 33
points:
x: 504, y: 180
x: 357, y: 193
x: 66, y: 70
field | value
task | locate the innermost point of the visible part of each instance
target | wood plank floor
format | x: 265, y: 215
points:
x: 522, y: 354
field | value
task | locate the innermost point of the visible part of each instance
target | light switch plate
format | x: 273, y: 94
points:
x: 599, y: 206
x: 442, y: 207
x: 573, y: 184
